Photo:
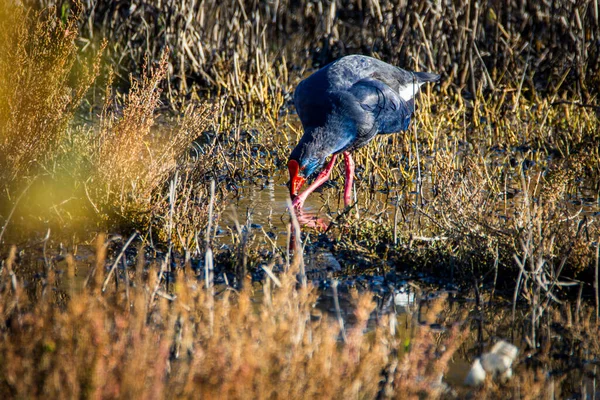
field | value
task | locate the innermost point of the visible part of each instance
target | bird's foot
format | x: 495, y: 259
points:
x: 297, y: 203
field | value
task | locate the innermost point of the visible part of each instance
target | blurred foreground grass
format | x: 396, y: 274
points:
x: 509, y: 145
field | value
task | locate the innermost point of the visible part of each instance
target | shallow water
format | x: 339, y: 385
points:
x: 265, y: 207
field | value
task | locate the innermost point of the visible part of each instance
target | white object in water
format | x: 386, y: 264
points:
x: 404, y: 299
x: 497, y: 362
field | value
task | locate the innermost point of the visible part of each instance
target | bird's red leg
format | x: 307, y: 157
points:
x: 349, y: 163
x: 321, y: 179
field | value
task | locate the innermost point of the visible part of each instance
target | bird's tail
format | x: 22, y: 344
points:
x: 426, y: 77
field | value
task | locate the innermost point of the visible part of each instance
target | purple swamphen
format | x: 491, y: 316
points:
x: 342, y: 107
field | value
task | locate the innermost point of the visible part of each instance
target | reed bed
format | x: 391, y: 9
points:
x: 77, y: 332
x: 481, y: 144
x: 245, y: 49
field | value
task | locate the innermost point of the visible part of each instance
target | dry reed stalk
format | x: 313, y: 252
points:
x: 597, y: 282
x: 271, y: 348
x: 298, y: 257
x: 246, y: 49
x: 114, y: 266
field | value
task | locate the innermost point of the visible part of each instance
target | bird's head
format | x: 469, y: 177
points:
x: 309, y: 155
x: 300, y: 171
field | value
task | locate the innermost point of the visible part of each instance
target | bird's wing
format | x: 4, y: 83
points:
x: 382, y: 107
x: 312, y: 101
x: 405, y: 83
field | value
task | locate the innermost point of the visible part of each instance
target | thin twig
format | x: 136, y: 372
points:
x: 208, y: 259
x: 12, y: 211
x: 298, y: 260
x: 485, y: 70
x: 114, y: 266
x: 419, y: 177
x: 338, y: 311
x: 163, y: 269
x: 209, y: 262
x: 516, y: 292
x: 520, y: 86
x: 596, y: 282
x: 271, y: 275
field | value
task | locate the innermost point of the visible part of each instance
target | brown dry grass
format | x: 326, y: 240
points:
x: 66, y: 337
x: 133, y: 158
x: 489, y: 190
x: 245, y: 48
x: 143, y: 341
x: 118, y: 170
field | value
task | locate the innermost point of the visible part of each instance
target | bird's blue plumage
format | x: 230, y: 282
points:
x: 348, y: 102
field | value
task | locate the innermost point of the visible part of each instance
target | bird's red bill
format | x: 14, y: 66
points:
x: 296, y: 181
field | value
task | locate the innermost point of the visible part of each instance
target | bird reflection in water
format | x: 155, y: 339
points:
x: 310, y: 220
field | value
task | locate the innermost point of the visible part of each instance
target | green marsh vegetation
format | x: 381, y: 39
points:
x: 117, y: 118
